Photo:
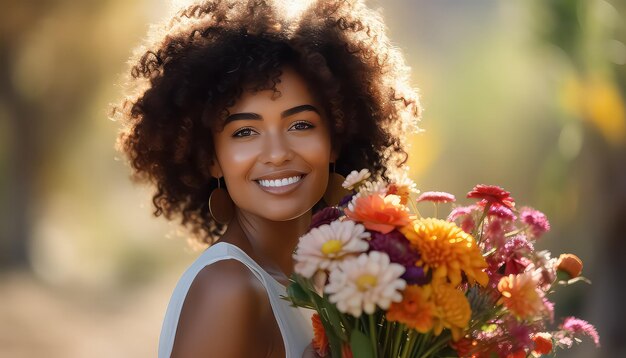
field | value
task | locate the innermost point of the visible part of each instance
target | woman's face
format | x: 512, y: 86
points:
x: 274, y: 153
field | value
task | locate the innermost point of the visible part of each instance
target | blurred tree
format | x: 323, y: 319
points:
x: 47, y: 73
x: 15, y: 21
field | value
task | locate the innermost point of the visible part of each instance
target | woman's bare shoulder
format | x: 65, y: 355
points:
x: 221, y: 313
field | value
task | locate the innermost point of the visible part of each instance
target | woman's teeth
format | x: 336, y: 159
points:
x: 280, y: 182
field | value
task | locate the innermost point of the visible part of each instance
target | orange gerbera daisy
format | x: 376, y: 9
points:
x: 378, y: 213
x: 452, y: 310
x: 521, y: 295
x: 320, y: 340
x: 416, y: 310
x: 447, y: 250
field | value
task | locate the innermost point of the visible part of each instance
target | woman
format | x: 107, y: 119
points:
x: 237, y: 105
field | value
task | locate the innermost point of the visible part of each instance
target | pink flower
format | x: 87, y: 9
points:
x: 577, y: 326
x: 465, y: 214
x: 460, y: 211
x: 502, y: 212
x: 537, y: 221
x: 436, y: 197
x: 492, y: 194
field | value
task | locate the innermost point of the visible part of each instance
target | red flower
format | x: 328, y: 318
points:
x: 543, y: 343
x: 492, y: 194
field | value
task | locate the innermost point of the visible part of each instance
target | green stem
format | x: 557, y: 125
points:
x: 423, y: 338
x: 408, y: 344
x: 387, y: 329
x: 414, y: 206
x: 373, y: 335
x: 478, y: 235
x: 399, y: 332
x: 437, y: 345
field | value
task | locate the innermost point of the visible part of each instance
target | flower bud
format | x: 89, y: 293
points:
x: 570, y: 264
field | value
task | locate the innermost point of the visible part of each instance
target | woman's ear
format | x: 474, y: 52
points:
x: 215, y: 169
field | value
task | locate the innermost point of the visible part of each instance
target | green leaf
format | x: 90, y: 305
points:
x: 360, y: 345
x: 330, y: 312
x: 298, y: 296
x: 334, y: 341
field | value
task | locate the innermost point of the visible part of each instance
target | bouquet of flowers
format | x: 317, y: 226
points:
x: 387, y: 282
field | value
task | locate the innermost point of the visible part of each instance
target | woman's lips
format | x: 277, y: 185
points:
x: 271, y: 186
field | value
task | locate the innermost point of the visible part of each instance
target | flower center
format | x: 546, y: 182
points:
x: 366, y: 281
x: 331, y: 247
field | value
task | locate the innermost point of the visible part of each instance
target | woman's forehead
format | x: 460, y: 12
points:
x: 294, y: 91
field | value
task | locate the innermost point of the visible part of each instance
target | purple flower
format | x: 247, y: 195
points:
x: 414, y: 275
x: 325, y: 216
x: 396, y: 246
x: 346, y: 199
x: 399, y: 250
x: 537, y: 221
x: 516, y: 246
x: 520, y: 335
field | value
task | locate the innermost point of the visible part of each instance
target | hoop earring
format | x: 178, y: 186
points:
x: 221, y: 206
x: 335, y: 191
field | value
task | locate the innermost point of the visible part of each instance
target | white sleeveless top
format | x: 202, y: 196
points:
x: 296, y: 330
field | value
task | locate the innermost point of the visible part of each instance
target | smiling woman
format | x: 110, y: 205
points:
x: 235, y: 103
x: 275, y: 151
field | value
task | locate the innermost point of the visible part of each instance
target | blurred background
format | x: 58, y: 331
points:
x: 528, y: 95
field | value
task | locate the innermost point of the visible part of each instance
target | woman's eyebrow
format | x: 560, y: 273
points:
x: 286, y: 113
x: 298, y: 109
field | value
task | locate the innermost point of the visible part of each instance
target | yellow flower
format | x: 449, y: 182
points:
x: 521, y: 294
x: 447, y: 250
x: 452, y: 310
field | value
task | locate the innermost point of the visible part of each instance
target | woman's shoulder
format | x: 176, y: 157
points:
x: 220, y: 312
x: 225, y: 277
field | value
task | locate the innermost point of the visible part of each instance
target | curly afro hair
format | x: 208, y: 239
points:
x: 195, y: 66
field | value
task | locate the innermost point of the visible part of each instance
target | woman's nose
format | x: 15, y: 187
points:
x: 277, y: 149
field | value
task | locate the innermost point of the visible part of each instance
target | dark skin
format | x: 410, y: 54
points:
x: 227, y: 312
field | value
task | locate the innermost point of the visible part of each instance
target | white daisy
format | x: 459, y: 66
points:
x: 324, y: 246
x: 372, y: 187
x: 355, y: 178
x: 404, y: 182
x: 362, y: 283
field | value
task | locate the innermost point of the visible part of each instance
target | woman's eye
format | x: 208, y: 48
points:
x: 302, y: 126
x: 244, y: 132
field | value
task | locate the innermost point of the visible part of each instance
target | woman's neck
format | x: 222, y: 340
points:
x: 269, y: 243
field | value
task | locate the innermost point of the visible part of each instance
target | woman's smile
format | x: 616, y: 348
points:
x: 280, y: 186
